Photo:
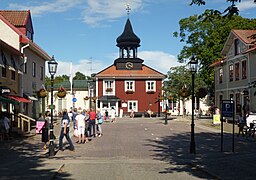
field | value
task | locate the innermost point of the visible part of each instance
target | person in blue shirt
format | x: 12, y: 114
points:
x: 65, y: 131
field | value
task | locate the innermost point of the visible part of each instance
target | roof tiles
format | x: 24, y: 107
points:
x: 17, y: 18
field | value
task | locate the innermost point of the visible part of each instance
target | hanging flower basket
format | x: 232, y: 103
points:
x: 94, y: 98
x: 161, y: 98
x: 184, y: 92
x: 86, y: 98
x: 61, y: 92
x: 170, y: 98
x: 42, y: 93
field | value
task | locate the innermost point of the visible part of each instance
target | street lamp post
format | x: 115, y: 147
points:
x: 193, y: 68
x: 52, y: 67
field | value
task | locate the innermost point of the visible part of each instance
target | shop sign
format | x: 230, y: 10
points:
x: 5, y: 90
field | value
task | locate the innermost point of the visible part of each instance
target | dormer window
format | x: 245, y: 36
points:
x: 29, y: 35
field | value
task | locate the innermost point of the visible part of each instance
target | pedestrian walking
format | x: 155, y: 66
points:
x: 92, y: 115
x: 70, y: 114
x: 45, y: 128
x: 106, y: 115
x: 113, y: 114
x: 99, y: 118
x: 80, y: 122
x: 240, y: 124
x: 65, y: 121
x: 75, y: 113
x: 87, y: 126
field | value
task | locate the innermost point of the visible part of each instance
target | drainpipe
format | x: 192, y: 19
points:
x: 21, y: 79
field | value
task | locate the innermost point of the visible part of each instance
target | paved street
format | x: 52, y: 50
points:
x: 136, y: 149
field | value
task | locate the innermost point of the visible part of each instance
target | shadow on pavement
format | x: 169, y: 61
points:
x: 23, y: 158
x: 209, y: 162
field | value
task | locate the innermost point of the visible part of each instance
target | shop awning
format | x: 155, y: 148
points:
x: 7, y: 100
x: 18, y: 98
x: 109, y: 98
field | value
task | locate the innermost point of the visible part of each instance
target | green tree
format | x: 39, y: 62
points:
x: 79, y: 76
x: 230, y: 10
x: 204, y: 36
x: 57, y: 79
x: 179, y: 84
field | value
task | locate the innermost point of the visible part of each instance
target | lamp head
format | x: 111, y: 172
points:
x: 52, y: 66
x: 193, y: 63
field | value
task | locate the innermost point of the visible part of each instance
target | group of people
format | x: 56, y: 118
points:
x: 86, y: 125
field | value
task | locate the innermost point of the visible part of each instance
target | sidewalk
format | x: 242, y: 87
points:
x: 24, y: 158
x: 239, y: 164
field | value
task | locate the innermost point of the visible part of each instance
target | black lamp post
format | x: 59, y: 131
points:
x: 52, y: 67
x: 193, y: 68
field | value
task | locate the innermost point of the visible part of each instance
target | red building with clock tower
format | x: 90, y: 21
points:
x: 128, y: 84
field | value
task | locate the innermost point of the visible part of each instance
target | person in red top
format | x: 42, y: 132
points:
x: 92, y: 115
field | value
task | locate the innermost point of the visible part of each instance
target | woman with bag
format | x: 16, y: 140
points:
x: 65, y: 131
x: 45, y: 128
x: 99, y: 118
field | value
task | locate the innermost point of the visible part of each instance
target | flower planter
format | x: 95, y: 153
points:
x: 129, y: 92
x: 109, y: 90
x: 61, y: 94
x: 150, y: 92
x: 42, y: 93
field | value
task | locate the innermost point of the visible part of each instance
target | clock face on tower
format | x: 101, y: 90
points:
x: 129, y: 65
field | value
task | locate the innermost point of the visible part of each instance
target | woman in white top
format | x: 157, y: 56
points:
x: 80, y: 125
x: 113, y: 115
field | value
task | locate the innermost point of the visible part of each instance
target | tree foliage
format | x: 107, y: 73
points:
x: 231, y: 10
x: 204, y: 36
x: 180, y: 77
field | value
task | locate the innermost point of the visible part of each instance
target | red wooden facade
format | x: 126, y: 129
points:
x: 128, y: 84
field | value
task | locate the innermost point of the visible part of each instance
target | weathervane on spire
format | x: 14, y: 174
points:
x: 128, y: 9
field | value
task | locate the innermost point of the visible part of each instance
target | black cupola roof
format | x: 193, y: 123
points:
x: 128, y: 38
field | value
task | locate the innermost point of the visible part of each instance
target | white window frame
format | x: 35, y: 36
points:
x: 151, y: 88
x: 134, y: 106
x: 105, y: 86
x: 131, y: 83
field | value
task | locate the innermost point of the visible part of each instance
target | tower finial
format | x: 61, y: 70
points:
x: 128, y: 9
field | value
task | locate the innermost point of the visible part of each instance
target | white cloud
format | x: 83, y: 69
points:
x: 99, y: 10
x: 246, y: 5
x: 159, y: 60
x: 85, y: 66
x: 95, y: 11
x: 46, y: 7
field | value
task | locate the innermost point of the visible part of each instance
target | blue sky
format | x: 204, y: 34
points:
x: 84, y: 31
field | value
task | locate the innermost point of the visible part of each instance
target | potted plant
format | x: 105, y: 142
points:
x: 61, y: 92
x: 109, y: 90
x: 129, y: 91
x: 150, y: 92
x: 42, y: 93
